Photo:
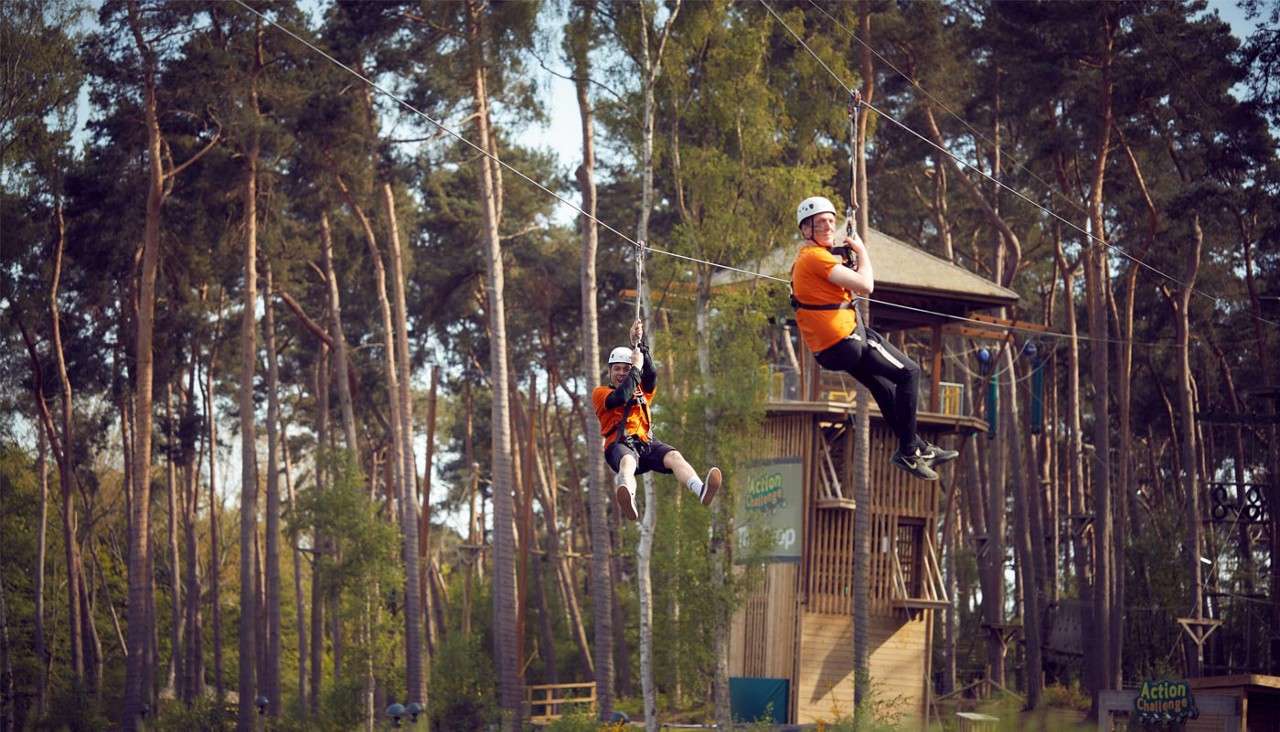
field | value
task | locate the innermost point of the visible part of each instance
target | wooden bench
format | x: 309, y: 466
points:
x: 547, y: 702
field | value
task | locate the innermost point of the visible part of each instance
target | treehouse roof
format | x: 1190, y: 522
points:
x: 905, y: 275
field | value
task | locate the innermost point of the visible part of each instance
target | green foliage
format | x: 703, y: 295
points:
x: 876, y: 713
x: 463, y: 690
x: 206, y: 715
x: 576, y: 722
x: 1069, y: 696
x: 357, y: 546
x: 356, y: 561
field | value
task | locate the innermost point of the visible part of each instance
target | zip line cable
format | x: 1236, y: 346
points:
x: 1216, y: 300
x: 460, y: 138
x: 955, y: 157
x: 976, y: 132
x: 644, y: 247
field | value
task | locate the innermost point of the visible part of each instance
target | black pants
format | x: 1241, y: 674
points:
x: 892, y: 378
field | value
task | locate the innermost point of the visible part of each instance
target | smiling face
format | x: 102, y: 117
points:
x: 821, y: 229
x: 618, y: 372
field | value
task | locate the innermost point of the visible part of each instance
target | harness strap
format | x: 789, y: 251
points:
x: 797, y: 305
x: 626, y: 412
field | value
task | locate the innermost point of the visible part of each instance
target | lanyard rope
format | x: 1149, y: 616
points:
x: 640, y: 247
x: 855, y: 104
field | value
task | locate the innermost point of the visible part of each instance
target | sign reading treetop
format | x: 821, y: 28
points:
x: 1165, y: 702
x: 770, y: 500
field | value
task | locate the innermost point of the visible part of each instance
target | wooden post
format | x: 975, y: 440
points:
x: 935, y: 399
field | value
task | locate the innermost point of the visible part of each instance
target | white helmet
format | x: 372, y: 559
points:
x: 621, y: 354
x: 813, y: 206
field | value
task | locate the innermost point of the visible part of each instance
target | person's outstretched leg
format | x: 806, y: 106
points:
x: 903, y: 385
x: 893, y: 379
x: 625, y: 491
x: 684, y: 472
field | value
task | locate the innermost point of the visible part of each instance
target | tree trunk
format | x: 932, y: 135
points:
x: 720, y: 549
x: 504, y: 590
x: 1023, y: 536
x: 858, y: 196
x: 260, y: 597
x: 192, y: 682
x: 339, y: 340
x: 318, y: 542
x: 140, y: 519
x: 299, y: 602
x: 621, y: 650
x: 40, y: 648
x: 1075, y: 436
x: 1095, y: 286
x: 8, y: 711
x: 950, y: 615
x: 66, y: 479
x: 415, y: 672
x: 153, y: 635
x: 430, y: 605
x: 215, y: 552
x: 271, y: 685
x: 546, y: 632
x: 175, y: 670
x: 1187, y: 413
x: 650, y: 68
x: 249, y: 625
x: 597, y: 490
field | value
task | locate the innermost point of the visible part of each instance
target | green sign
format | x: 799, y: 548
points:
x: 1165, y: 702
x: 771, y: 503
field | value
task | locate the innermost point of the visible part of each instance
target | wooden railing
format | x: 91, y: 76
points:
x: 547, y: 702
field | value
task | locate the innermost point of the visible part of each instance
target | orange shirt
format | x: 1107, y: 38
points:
x: 820, y: 329
x: 637, y: 418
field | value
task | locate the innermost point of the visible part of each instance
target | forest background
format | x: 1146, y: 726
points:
x: 295, y: 373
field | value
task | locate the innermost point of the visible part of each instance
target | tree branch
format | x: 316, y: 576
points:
x: 316, y: 329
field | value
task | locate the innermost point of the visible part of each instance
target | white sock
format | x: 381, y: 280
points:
x: 695, y: 485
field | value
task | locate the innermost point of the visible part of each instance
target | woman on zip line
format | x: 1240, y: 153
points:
x: 622, y: 406
x: 824, y: 278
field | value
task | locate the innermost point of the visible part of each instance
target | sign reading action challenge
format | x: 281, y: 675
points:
x: 771, y: 500
x: 1165, y: 702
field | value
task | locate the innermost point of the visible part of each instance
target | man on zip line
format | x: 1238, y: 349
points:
x: 823, y: 277
x: 622, y: 407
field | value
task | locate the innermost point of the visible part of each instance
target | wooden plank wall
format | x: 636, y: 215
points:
x: 894, y: 494
x: 814, y: 600
x: 824, y: 686
x: 762, y: 633
x: 762, y: 637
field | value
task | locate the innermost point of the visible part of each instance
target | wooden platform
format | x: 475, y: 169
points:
x: 931, y: 421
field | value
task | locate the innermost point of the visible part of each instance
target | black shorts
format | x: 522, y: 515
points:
x: 649, y: 455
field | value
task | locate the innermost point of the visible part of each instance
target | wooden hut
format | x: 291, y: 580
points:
x: 798, y: 625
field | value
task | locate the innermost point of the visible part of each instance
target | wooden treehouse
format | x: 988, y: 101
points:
x: 798, y: 626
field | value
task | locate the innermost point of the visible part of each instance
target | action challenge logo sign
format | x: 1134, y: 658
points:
x: 1165, y: 702
x: 772, y: 502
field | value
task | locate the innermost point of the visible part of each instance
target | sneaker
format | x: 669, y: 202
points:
x: 935, y: 455
x: 627, y: 502
x: 916, y: 464
x: 710, y: 486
